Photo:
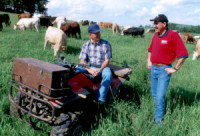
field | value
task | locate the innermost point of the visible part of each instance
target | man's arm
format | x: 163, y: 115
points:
x: 177, y: 66
x: 105, y: 64
x: 149, y: 63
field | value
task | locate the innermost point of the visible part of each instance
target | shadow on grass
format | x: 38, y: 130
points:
x: 180, y: 97
x: 127, y: 94
x: 72, y: 50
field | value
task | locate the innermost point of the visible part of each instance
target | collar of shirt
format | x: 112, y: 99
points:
x: 164, y: 33
x: 97, y: 43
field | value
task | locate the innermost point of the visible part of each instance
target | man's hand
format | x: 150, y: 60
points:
x: 170, y: 70
x: 149, y: 65
x: 94, y: 72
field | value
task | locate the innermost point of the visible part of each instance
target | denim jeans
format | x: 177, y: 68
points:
x: 106, y: 75
x: 159, y: 83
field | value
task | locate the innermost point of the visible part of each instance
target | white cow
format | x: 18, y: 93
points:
x: 59, y: 21
x: 126, y: 27
x: 123, y: 28
x: 37, y: 15
x: 196, y: 37
x: 150, y: 30
x: 57, y: 38
x: 28, y: 23
x: 196, y: 53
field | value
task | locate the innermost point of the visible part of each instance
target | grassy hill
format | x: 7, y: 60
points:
x: 133, y: 116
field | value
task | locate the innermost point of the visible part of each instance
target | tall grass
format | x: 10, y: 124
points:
x: 133, y: 116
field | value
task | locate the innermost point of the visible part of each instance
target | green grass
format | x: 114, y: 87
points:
x: 133, y: 116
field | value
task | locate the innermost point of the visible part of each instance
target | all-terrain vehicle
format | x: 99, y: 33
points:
x: 57, y: 94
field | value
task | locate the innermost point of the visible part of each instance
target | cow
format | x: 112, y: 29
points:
x: 126, y: 27
x: 75, y: 28
x: 59, y: 21
x: 80, y: 21
x: 176, y: 31
x: 5, y: 18
x: 133, y: 32
x: 92, y: 22
x: 24, y: 15
x: 105, y: 24
x: 1, y: 26
x: 85, y: 22
x: 57, y: 38
x: 196, y: 37
x: 188, y: 38
x: 71, y: 29
x: 196, y: 53
x: 45, y: 21
x: 115, y: 29
x: 28, y: 23
x: 150, y: 30
x: 37, y: 15
x: 66, y: 28
x: 52, y: 19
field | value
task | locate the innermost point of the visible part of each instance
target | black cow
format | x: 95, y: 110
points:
x: 134, y: 31
x: 92, y: 22
x: 1, y: 26
x: 5, y: 19
x: 45, y: 21
x: 51, y: 18
x: 85, y: 22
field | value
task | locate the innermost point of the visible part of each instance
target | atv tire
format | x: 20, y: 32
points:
x: 70, y: 127
x: 13, y: 108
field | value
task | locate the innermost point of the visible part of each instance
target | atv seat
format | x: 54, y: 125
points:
x: 94, y: 79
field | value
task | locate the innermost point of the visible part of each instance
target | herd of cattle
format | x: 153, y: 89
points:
x: 58, y: 36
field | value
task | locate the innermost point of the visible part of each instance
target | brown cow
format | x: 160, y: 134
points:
x: 66, y: 28
x: 24, y: 15
x: 105, y: 24
x: 71, y: 29
x: 115, y: 29
x: 188, y: 38
x: 75, y: 28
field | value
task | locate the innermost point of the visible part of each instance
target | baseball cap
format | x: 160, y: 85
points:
x: 94, y: 28
x: 160, y: 18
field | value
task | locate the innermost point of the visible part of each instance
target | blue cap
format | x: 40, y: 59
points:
x: 94, y: 28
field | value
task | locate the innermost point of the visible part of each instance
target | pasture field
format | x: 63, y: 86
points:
x: 131, y: 116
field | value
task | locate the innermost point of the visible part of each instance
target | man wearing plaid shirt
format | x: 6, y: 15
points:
x: 97, y: 51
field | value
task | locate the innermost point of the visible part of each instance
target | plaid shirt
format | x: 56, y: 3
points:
x: 96, y: 53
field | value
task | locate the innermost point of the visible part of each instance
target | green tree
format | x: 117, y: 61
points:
x: 20, y: 6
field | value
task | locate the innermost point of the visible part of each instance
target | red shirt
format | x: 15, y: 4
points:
x: 164, y: 49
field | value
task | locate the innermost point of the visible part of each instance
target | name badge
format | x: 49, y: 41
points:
x: 164, y: 41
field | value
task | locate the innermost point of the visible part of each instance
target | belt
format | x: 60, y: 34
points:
x: 159, y: 64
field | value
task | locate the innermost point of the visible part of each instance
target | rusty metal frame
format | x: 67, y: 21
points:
x: 29, y: 112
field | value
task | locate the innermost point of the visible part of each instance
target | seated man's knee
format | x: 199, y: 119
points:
x: 107, y: 72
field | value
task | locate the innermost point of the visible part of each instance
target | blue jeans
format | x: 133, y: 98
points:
x: 106, y: 75
x: 159, y: 83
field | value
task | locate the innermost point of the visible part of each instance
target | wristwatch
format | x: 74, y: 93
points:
x: 175, y: 68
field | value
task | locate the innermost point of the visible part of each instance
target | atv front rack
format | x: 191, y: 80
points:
x: 34, y: 103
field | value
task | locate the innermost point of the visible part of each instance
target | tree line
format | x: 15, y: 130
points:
x: 21, y: 6
x: 184, y: 28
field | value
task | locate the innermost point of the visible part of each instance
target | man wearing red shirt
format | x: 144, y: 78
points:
x: 165, y: 47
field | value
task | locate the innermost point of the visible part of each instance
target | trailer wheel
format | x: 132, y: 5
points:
x: 70, y: 127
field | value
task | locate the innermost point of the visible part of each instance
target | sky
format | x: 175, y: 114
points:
x: 127, y: 12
